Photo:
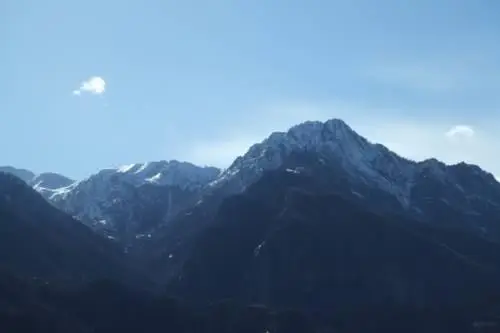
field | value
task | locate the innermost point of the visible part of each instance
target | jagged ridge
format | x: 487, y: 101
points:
x: 336, y: 141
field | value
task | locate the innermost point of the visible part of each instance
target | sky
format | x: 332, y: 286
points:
x: 86, y: 85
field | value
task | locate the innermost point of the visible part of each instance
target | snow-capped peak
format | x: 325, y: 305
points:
x: 98, y: 186
x: 333, y: 137
x: 335, y: 141
x: 107, y: 195
x: 310, y: 134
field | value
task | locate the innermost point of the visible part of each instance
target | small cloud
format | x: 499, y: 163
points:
x: 460, y: 131
x: 94, y: 85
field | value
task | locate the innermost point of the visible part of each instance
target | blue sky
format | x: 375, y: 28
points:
x: 203, y: 80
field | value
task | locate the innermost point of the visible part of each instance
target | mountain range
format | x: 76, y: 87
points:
x: 313, y: 219
x: 130, y: 202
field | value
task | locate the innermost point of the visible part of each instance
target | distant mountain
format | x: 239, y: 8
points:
x: 51, y: 181
x: 39, y: 242
x: 23, y: 174
x: 127, y: 203
x: 46, y: 183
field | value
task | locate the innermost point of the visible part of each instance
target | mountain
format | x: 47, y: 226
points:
x: 338, y: 233
x: 460, y: 195
x: 131, y: 202
x: 46, y: 183
x: 341, y: 222
x: 23, y: 174
x: 127, y: 203
x: 319, y: 249
x: 340, y: 162
x: 50, y: 181
x: 288, y: 241
x: 40, y: 243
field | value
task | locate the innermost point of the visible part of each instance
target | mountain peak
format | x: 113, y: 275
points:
x: 11, y: 179
x: 331, y: 135
x: 333, y: 138
x: 23, y: 174
x: 315, y: 131
x: 45, y: 183
x: 337, y: 144
x: 50, y: 180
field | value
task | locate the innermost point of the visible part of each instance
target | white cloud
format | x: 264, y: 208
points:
x: 94, y: 85
x: 460, y: 131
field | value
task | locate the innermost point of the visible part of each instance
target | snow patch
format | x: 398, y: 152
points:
x: 91, y: 199
x: 359, y: 195
x: 256, y: 251
x: 127, y: 168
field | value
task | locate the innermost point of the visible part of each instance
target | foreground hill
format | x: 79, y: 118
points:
x: 40, y: 242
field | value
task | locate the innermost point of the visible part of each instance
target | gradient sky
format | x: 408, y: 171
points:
x: 203, y: 80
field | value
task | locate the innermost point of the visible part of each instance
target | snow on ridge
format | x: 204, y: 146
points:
x: 91, y: 199
x: 127, y: 168
x: 169, y: 173
x: 100, y: 188
x: 175, y: 173
x: 361, y: 159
